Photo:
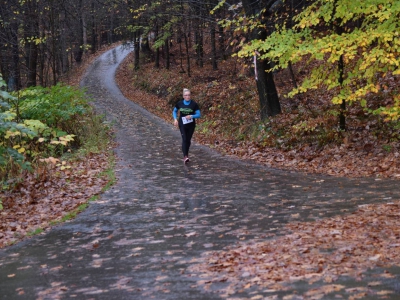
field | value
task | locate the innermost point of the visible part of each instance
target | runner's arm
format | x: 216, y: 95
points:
x: 196, y: 114
x: 174, y: 113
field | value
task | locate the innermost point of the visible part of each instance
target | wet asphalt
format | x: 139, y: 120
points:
x: 138, y: 240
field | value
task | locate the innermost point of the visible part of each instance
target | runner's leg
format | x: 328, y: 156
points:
x: 189, y: 134
x: 185, y: 149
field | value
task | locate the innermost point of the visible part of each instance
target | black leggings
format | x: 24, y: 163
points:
x: 187, y: 133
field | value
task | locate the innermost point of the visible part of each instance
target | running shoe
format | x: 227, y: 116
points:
x: 186, y: 159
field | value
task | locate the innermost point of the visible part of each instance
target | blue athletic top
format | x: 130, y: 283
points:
x: 186, y: 108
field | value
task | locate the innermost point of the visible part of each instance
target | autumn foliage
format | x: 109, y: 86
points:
x: 305, y: 137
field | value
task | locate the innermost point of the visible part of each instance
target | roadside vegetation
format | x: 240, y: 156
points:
x: 54, y: 156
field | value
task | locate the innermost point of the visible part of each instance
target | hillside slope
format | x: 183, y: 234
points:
x: 305, y: 137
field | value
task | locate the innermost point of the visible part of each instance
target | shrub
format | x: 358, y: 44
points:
x: 41, y: 122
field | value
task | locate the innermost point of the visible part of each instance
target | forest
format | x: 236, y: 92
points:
x: 303, y: 85
x: 311, y: 86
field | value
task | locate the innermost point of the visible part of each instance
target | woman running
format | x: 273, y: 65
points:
x: 189, y: 111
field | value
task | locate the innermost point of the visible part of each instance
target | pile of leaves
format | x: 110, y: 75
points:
x: 320, y: 251
x: 305, y: 137
x: 56, y: 191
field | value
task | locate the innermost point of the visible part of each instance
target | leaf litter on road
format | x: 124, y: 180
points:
x: 320, y: 251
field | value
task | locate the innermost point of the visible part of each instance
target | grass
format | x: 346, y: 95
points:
x: 35, y: 232
x: 110, y: 173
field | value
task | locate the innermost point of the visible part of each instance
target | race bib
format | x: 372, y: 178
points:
x: 186, y: 121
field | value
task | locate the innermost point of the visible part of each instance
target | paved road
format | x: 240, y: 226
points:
x: 138, y: 240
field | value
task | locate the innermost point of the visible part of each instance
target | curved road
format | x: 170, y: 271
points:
x: 138, y: 240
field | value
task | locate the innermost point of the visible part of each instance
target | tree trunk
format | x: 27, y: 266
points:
x: 94, y: 34
x: 145, y: 45
x: 221, y: 42
x: 199, y: 46
x: 136, y: 50
x: 79, y: 32
x: 213, y: 48
x: 111, y: 29
x: 187, y: 39
x: 167, y: 59
x: 157, y: 56
x: 63, y: 43
x: 342, y: 117
x: 187, y: 55
x: 342, y: 111
x: 268, y: 95
x: 9, y: 59
x: 14, y: 76
x: 31, y: 31
x: 181, y: 55
x: 42, y: 60
x: 53, y: 61
x: 84, y: 33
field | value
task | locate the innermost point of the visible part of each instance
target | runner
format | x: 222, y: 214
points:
x: 188, y: 112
